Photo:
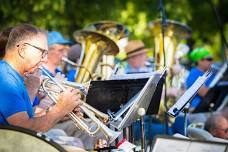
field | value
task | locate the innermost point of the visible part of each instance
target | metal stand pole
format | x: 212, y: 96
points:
x: 185, y: 110
x: 142, y: 134
x: 132, y: 134
x: 141, y: 113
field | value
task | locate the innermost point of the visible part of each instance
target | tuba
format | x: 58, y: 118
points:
x: 94, y: 46
x: 174, y: 32
x: 114, y: 30
x: 113, y: 36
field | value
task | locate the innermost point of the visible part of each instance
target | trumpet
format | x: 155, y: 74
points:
x: 91, y: 112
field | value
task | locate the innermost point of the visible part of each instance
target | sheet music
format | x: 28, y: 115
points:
x: 141, y: 100
x: 168, y: 145
x: 185, y: 145
x: 188, y: 95
x: 131, y: 76
x: 206, y: 147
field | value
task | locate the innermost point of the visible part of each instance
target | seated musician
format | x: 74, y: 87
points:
x: 137, y: 63
x: 25, y: 51
x: 57, y: 50
x: 217, y: 125
x: 202, y: 59
x: 136, y: 57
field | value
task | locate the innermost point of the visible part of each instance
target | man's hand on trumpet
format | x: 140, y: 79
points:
x: 78, y: 113
x: 69, y: 100
x: 32, y: 83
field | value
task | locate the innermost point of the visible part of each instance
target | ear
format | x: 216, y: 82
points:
x: 21, y: 51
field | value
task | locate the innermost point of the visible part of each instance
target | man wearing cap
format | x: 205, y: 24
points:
x: 202, y: 58
x: 56, y: 51
x: 136, y: 57
x: 57, y: 47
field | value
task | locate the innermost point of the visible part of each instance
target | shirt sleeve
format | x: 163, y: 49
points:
x: 12, y: 101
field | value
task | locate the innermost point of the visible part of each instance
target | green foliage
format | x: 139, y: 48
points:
x: 67, y: 16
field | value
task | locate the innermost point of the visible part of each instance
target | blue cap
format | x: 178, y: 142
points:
x: 57, y: 38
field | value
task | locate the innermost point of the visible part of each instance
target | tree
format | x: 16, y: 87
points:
x: 67, y: 16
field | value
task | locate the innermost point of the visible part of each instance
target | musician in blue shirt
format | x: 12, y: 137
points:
x: 57, y: 46
x: 14, y: 96
x: 26, y: 49
x: 202, y: 58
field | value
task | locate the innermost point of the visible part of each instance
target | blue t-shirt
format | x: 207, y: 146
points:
x: 14, y: 97
x: 192, y: 77
x: 71, y: 75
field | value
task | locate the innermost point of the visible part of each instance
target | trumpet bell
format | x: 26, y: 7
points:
x: 112, y: 135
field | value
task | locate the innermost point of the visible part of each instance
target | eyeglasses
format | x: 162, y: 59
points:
x: 225, y: 130
x: 44, y: 52
x: 208, y: 59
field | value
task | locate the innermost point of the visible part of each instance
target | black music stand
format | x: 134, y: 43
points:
x: 183, y: 102
x: 217, y: 93
x: 215, y: 97
x: 140, y: 101
x: 145, y: 94
x: 112, y: 94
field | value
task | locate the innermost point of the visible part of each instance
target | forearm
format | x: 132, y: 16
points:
x: 32, y: 94
x: 43, y: 123
x: 46, y: 122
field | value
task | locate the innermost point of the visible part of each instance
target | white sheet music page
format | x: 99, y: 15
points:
x: 168, y: 145
x: 206, y: 147
x: 132, y: 76
x: 185, y: 145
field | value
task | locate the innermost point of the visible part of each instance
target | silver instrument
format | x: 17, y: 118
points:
x: 91, y: 112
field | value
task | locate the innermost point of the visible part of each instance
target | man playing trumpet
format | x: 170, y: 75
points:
x: 57, y: 45
x: 25, y: 51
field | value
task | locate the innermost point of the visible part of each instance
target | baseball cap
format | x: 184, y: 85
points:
x: 199, y: 54
x: 55, y: 37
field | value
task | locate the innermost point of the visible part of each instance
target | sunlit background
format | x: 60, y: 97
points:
x: 66, y: 16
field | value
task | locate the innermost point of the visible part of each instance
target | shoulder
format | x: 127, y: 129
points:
x: 9, y: 83
x: 195, y: 72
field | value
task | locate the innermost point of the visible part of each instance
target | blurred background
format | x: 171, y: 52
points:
x: 67, y: 16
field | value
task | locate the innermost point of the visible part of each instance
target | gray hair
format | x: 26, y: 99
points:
x: 22, y: 32
x: 211, y: 122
